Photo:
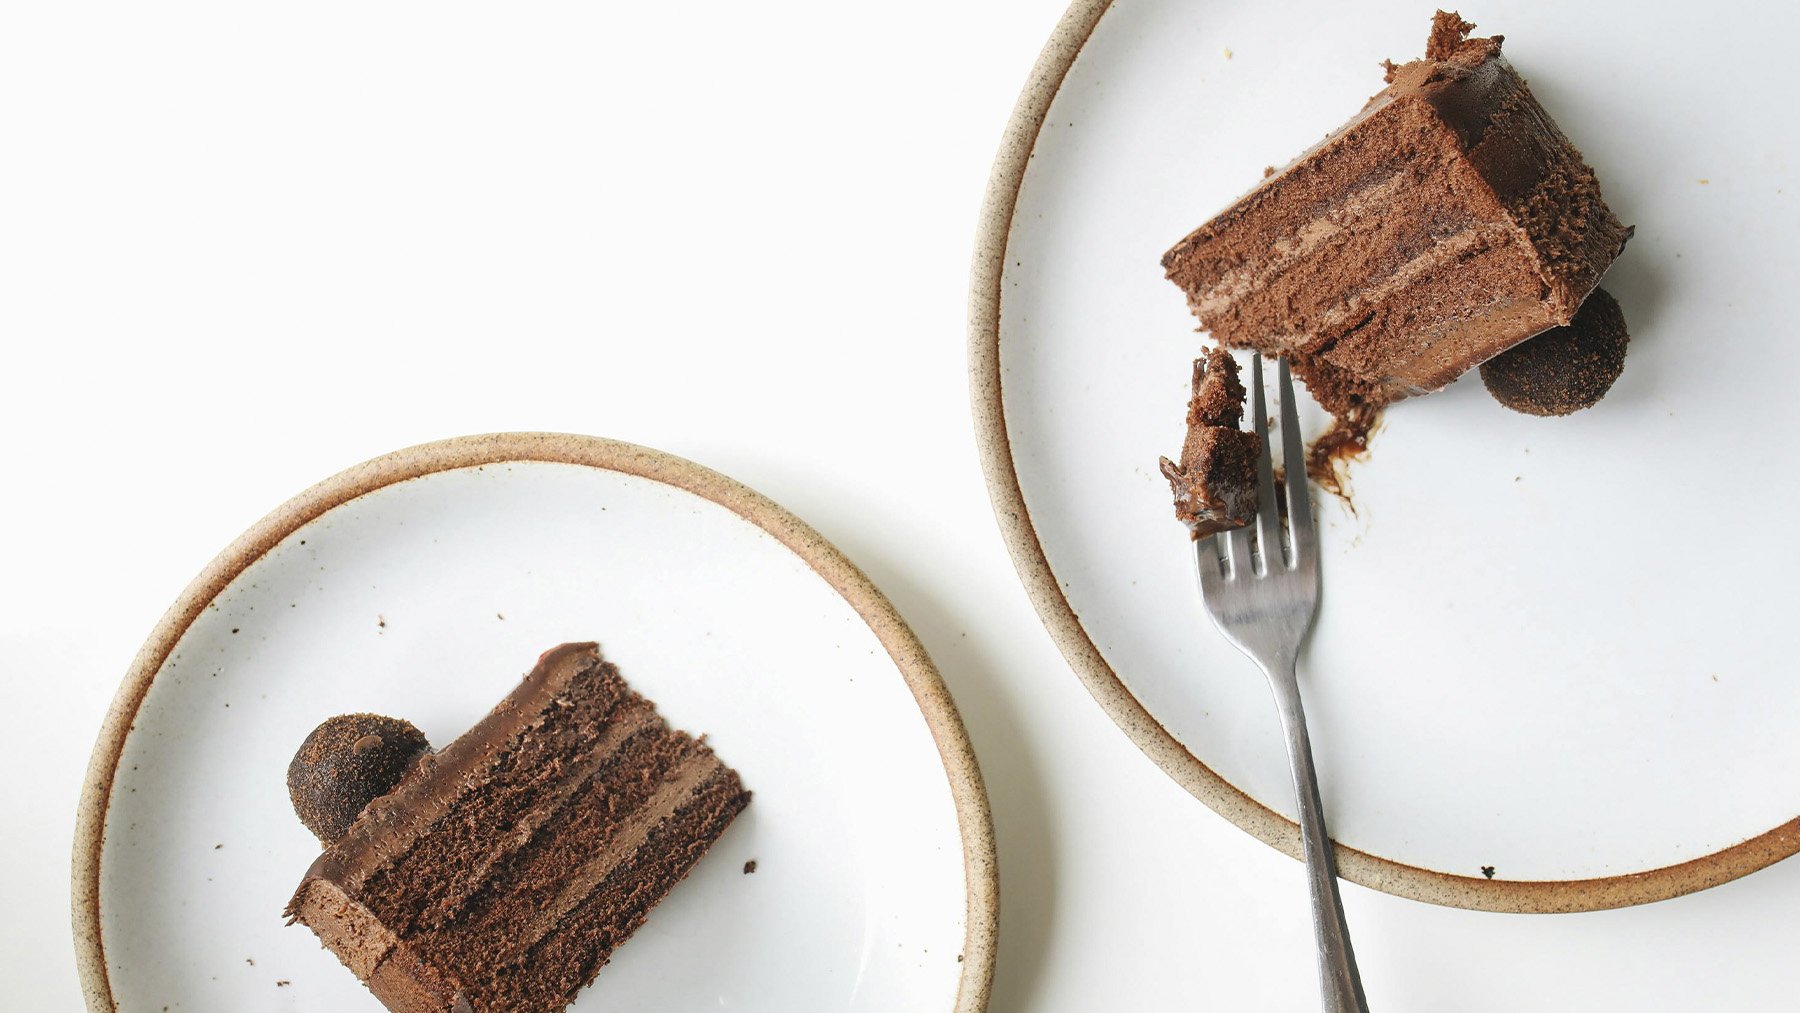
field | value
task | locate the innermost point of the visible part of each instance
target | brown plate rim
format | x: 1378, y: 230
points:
x: 974, y: 820
x: 987, y: 275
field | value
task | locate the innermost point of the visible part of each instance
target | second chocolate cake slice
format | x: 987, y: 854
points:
x: 1445, y: 223
x: 502, y: 872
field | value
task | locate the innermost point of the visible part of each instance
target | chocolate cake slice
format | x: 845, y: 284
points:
x: 501, y: 872
x: 1449, y: 220
x: 1215, y: 483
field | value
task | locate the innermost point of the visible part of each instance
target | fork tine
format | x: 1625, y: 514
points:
x: 1209, y: 564
x: 1293, y: 454
x: 1268, y: 522
x: 1237, y: 553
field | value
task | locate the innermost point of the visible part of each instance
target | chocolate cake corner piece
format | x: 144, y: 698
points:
x: 1447, y: 221
x: 503, y: 871
x: 1218, y: 391
x: 1214, y: 484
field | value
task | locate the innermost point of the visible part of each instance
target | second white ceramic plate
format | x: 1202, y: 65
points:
x: 428, y: 598
x: 1550, y: 651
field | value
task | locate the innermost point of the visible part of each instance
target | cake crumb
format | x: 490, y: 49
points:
x: 1228, y: 53
x: 1704, y: 182
x: 500, y: 616
x: 1448, y: 32
x: 279, y: 983
x: 1268, y: 170
x: 1214, y: 485
x: 381, y: 622
x: 1488, y: 871
x: 247, y: 960
x: 216, y: 847
x: 750, y: 867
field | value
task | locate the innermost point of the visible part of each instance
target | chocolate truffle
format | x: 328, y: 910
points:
x: 1215, y: 482
x: 346, y: 763
x: 1565, y: 369
x: 1446, y: 222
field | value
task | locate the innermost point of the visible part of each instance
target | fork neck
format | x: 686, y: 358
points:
x: 1282, y: 664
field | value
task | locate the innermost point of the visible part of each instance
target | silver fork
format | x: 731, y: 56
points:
x: 1265, y: 603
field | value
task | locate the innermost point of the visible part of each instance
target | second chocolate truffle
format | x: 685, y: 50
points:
x: 346, y: 763
x: 1564, y: 369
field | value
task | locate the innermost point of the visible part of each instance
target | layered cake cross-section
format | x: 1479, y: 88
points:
x: 501, y: 872
x: 1446, y: 222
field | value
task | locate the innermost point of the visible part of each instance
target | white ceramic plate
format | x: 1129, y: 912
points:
x: 424, y: 585
x: 1549, y: 649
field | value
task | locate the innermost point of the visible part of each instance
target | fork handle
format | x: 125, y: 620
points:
x: 1340, y: 985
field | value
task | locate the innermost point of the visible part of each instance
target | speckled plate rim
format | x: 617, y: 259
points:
x: 974, y: 820
x: 994, y: 445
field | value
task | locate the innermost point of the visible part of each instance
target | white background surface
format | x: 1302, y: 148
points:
x: 244, y: 247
